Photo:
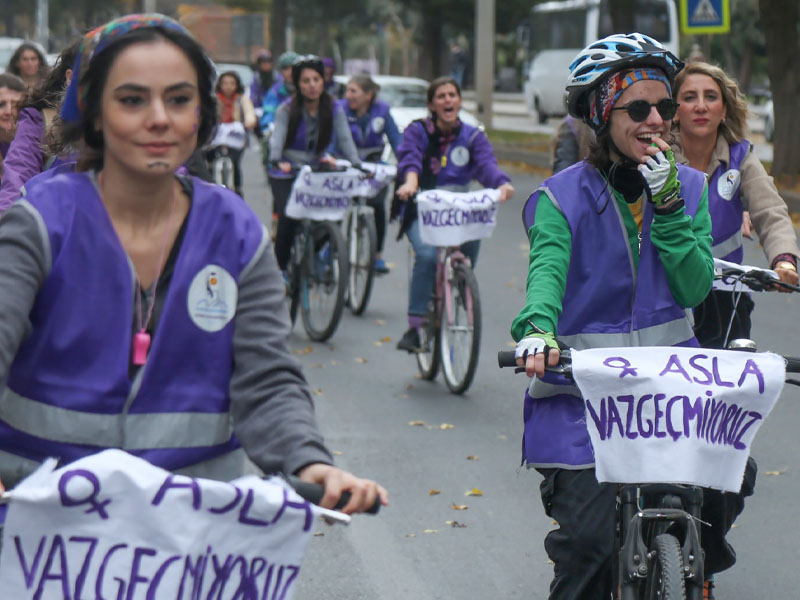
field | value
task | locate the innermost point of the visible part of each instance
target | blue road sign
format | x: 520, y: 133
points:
x: 705, y: 16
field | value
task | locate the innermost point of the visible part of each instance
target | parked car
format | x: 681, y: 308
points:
x: 769, y: 121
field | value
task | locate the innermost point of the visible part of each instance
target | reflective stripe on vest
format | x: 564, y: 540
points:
x: 542, y: 389
x: 666, y: 334
x: 131, y: 431
x: 222, y: 468
x: 726, y: 246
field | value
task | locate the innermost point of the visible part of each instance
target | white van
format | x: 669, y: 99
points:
x: 559, y: 30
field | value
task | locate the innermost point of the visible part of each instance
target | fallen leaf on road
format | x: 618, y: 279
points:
x: 403, y: 396
x: 434, y: 492
x: 525, y: 247
x: 446, y: 426
x: 386, y: 339
x: 455, y: 506
x: 318, y: 534
x: 781, y: 472
x: 417, y: 423
x: 454, y: 524
x: 502, y: 437
x: 511, y: 345
x: 316, y: 366
x: 472, y: 457
x: 380, y: 322
x: 411, y: 535
x: 306, y: 350
x: 335, y: 362
x: 377, y: 344
x: 410, y: 386
x: 337, y: 452
x: 317, y: 392
x: 430, y: 531
x: 361, y: 360
x: 474, y: 492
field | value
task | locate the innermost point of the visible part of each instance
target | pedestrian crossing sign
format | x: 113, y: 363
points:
x: 705, y: 16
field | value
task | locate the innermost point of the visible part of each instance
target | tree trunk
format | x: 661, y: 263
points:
x: 277, y: 27
x: 780, y: 20
x: 431, y: 67
x: 622, y: 15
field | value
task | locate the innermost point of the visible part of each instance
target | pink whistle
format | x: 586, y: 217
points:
x: 141, y: 344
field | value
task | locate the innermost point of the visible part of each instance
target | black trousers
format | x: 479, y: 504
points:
x: 378, y: 203
x: 281, y: 188
x: 582, y: 546
x: 712, y: 317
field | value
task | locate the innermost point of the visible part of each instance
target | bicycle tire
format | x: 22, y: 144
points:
x: 293, y: 270
x: 666, y: 574
x: 322, y: 286
x: 429, y: 360
x: 361, y: 262
x: 460, y: 329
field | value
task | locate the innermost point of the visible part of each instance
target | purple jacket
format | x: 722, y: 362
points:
x: 595, y: 313
x: 71, y: 390
x: 725, y: 206
x: 469, y: 156
x: 25, y: 157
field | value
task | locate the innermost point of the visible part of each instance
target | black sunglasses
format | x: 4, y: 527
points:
x: 639, y: 110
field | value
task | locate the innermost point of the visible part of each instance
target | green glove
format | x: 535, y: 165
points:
x: 534, y: 343
x: 661, y: 176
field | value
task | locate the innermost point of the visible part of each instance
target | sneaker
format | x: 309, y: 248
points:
x: 380, y: 266
x: 410, y: 341
x: 708, y: 589
x: 322, y: 262
x: 287, y: 282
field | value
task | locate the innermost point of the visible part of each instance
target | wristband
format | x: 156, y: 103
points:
x: 673, y: 206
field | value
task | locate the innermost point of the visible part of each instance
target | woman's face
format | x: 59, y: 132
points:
x: 228, y: 85
x: 311, y: 84
x: 150, y: 109
x: 445, y: 104
x: 357, y: 98
x: 28, y: 63
x: 9, y: 104
x: 632, y: 138
x: 702, y: 108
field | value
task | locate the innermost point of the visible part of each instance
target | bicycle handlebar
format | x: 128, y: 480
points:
x: 756, y: 279
x: 313, y: 492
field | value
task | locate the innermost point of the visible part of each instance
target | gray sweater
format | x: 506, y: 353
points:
x: 271, y: 406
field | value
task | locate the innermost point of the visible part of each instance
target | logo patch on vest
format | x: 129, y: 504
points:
x: 212, y: 298
x: 459, y: 156
x: 378, y: 124
x: 728, y: 183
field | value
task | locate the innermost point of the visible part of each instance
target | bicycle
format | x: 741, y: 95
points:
x: 227, y: 136
x: 451, y: 334
x: 362, y: 235
x: 318, y: 267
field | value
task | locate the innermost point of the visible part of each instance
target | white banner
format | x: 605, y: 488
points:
x: 232, y: 135
x: 114, y: 526
x: 675, y: 415
x: 382, y: 175
x: 324, y: 195
x: 730, y: 283
x: 452, y: 218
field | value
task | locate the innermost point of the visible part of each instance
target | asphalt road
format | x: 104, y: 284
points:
x: 367, y: 393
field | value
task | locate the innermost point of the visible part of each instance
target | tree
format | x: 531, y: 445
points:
x: 781, y: 22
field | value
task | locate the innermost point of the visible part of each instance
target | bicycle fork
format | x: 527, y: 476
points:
x: 635, y: 562
x: 444, y: 274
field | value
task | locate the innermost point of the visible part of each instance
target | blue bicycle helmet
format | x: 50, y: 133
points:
x: 605, y: 57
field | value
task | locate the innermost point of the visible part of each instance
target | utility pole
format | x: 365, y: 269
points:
x: 484, y: 59
x: 42, y: 24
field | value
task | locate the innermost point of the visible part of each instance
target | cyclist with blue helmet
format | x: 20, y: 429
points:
x: 620, y: 247
x: 280, y: 91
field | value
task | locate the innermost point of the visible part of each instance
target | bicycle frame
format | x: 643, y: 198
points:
x: 447, y: 258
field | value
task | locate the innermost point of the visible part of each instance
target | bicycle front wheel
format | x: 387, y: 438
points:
x: 460, y: 335
x: 666, y: 580
x: 362, y: 245
x: 429, y: 358
x: 323, y: 281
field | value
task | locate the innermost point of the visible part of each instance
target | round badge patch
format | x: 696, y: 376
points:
x: 378, y: 124
x: 212, y: 298
x: 728, y: 183
x: 459, y: 156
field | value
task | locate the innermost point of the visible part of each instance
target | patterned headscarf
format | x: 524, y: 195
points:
x: 93, y: 44
x: 603, y: 98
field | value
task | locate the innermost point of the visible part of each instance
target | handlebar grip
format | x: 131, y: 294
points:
x: 792, y: 364
x: 506, y: 358
x: 313, y: 492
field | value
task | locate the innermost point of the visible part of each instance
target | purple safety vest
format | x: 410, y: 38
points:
x: 595, y: 311
x: 296, y: 150
x: 68, y: 391
x: 725, y: 206
x: 373, y: 141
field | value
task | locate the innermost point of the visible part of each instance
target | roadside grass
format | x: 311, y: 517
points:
x: 540, y: 142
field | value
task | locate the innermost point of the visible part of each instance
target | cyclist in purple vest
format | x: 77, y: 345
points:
x: 143, y: 310
x: 305, y: 128
x: 620, y: 247
x: 438, y: 152
x: 711, y: 125
x: 370, y: 120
